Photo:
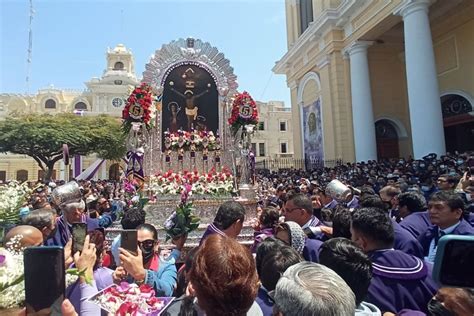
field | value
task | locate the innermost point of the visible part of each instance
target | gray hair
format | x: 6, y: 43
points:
x: 308, y: 288
x: 69, y: 207
x: 39, y: 218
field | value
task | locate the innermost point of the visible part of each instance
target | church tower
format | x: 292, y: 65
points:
x: 111, y: 90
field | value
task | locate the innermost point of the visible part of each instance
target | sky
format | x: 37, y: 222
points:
x: 70, y: 39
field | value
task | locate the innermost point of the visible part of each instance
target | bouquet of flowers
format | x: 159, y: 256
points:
x: 182, y: 221
x: 130, y: 299
x: 212, y: 182
x: 12, y: 197
x: 133, y: 193
x: 244, y: 112
x: 141, y: 106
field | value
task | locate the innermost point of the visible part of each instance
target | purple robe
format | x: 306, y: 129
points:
x: 264, y: 301
x: 464, y: 228
x: 416, y: 223
x: 400, y: 281
x: 331, y: 205
x: 405, y: 242
x: 354, y: 203
x: 63, y: 232
x: 211, y: 230
x: 311, y: 250
x: 260, y: 236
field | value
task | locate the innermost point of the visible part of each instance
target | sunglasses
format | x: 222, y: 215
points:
x: 146, y: 244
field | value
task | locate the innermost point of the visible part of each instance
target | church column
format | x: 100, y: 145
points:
x: 423, y: 94
x: 362, y: 114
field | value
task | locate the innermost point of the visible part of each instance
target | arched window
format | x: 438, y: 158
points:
x: 22, y: 175
x: 50, y: 104
x: 80, y: 106
x: 118, y: 66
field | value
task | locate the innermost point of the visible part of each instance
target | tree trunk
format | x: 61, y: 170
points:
x: 49, y: 172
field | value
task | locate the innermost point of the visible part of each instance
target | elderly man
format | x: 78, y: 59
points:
x: 309, y: 288
x: 71, y: 213
x: 43, y: 219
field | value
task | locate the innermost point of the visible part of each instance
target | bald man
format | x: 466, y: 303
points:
x: 31, y: 236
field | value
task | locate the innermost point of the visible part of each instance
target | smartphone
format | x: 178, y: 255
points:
x: 128, y: 240
x: 44, y: 280
x: 454, y: 261
x: 79, y: 233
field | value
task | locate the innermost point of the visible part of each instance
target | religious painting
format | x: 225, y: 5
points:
x: 313, y: 131
x: 190, y: 100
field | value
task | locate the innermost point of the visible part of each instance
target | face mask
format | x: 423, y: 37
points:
x: 437, y: 309
x: 422, y: 165
x: 147, y: 253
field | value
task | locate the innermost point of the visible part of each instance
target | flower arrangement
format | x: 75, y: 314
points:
x: 130, y: 299
x: 12, y: 197
x: 244, y: 112
x: 133, y: 193
x: 182, y: 221
x: 194, y: 140
x: 212, y: 183
x: 140, y: 107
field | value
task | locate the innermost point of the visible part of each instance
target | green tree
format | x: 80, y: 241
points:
x: 42, y: 137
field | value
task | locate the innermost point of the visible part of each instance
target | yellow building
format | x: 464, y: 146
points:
x: 380, y: 78
x: 105, y: 95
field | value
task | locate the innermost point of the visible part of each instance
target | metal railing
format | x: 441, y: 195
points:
x: 275, y: 164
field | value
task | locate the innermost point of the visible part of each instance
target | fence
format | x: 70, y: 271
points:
x: 276, y: 164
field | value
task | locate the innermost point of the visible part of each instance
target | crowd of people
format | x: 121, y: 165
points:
x: 371, y: 253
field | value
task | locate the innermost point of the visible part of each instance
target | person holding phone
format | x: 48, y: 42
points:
x: 85, y: 261
x: 102, y: 276
x: 147, y: 267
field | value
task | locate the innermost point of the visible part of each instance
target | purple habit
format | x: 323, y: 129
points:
x: 400, y: 281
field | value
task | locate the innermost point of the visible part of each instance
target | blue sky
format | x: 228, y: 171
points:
x: 70, y: 39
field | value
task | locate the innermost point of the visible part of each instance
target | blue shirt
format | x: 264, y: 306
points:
x: 432, y: 252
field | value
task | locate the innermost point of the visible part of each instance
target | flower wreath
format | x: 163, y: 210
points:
x: 244, y: 112
x: 140, y: 107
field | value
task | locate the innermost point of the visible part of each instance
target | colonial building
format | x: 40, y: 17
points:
x: 375, y: 79
x: 274, y: 135
x: 105, y: 95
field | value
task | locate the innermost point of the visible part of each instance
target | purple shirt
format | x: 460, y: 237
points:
x: 400, y: 281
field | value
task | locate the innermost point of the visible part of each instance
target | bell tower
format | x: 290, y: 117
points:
x: 120, y: 61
